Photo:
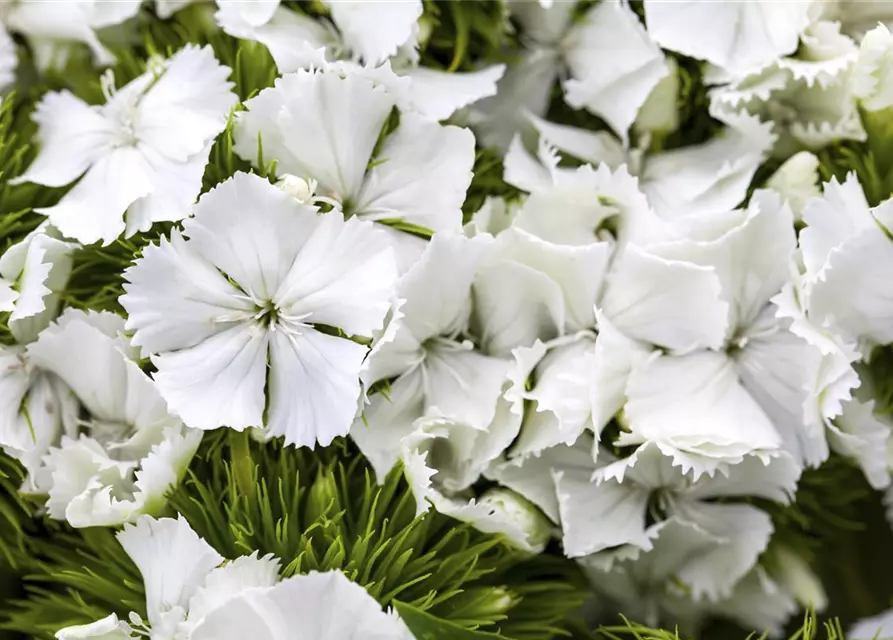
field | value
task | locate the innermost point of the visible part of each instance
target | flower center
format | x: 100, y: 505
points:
x: 269, y: 316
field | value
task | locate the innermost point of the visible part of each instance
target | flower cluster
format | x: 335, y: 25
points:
x: 663, y: 313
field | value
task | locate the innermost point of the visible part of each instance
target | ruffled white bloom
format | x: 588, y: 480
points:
x: 873, y: 74
x: 644, y: 584
x: 604, y: 510
x: 183, y: 578
x: 33, y: 274
x: 52, y: 28
x: 376, y: 33
x: 797, y: 181
x: 367, y: 31
x: 703, y: 178
x: 842, y: 238
x: 599, y: 78
x: 131, y: 451
x: 710, y: 407
x: 230, y: 312
x: 433, y: 367
x: 317, y: 605
x: 192, y: 592
x: 430, y: 453
x: 38, y: 407
x: 879, y: 626
x: 139, y: 158
x: 809, y: 97
x: 738, y: 37
x: 758, y: 601
x: 325, y: 125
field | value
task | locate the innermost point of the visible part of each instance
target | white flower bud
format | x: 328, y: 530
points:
x: 660, y: 113
x: 520, y: 513
x: 298, y: 188
x: 797, y: 181
x: 872, y: 80
x: 798, y: 579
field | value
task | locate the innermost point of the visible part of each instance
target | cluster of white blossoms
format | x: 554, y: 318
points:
x: 193, y: 593
x: 635, y: 357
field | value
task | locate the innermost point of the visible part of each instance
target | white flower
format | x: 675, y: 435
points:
x: 605, y: 508
x: 231, y: 316
x: 843, y: 244
x: 50, y: 28
x: 184, y: 582
x: 613, y: 64
x: 612, y: 67
x: 428, y: 452
x: 367, y: 31
x: 739, y: 37
x: 645, y: 583
x: 132, y: 451
x: 758, y: 601
x: 878, y: 626
x: 140, y: 157
x: 376, y: 33
x: 316, y: 605
x: 873, y: 75
x: 326, y: 124
x: 33, y: 274
x: 38, y: 407
x: 702, y: 178
x: 808, y: 97
x: 192, y: 593
x: 710, y: 407
x: 434, y: 369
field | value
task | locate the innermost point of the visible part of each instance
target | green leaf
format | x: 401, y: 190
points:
x: 424, y: 626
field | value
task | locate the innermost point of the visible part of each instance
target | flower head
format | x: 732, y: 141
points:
x: 247, y: 313
x: 137, y: 159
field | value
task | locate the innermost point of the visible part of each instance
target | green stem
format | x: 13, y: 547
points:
x: 243, y: 463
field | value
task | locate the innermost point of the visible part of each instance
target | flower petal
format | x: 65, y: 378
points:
x: 175, y: 299
x: 374, y: 31
x: 219, y: 381
x: 313, y: 602
x: 94, y: 209
x: 72, y: 134
x: 314, y: 386
x: 437, y: 94
x: 187, y: 106
x: 615, y: 90
x: 173, y: 560
x: 668, y: 303
x: 696, y: 406
x: 329, y: 124
x: 420, y: 176
x: 739, y: 37
x: 342, y: 276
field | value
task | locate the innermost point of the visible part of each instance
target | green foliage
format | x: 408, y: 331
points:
x: 315, y: 510
x: 487, y: 182
x: 463, y: 35
x: 426, y: 627
x: 810, y: 629
x: 320, y: 510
